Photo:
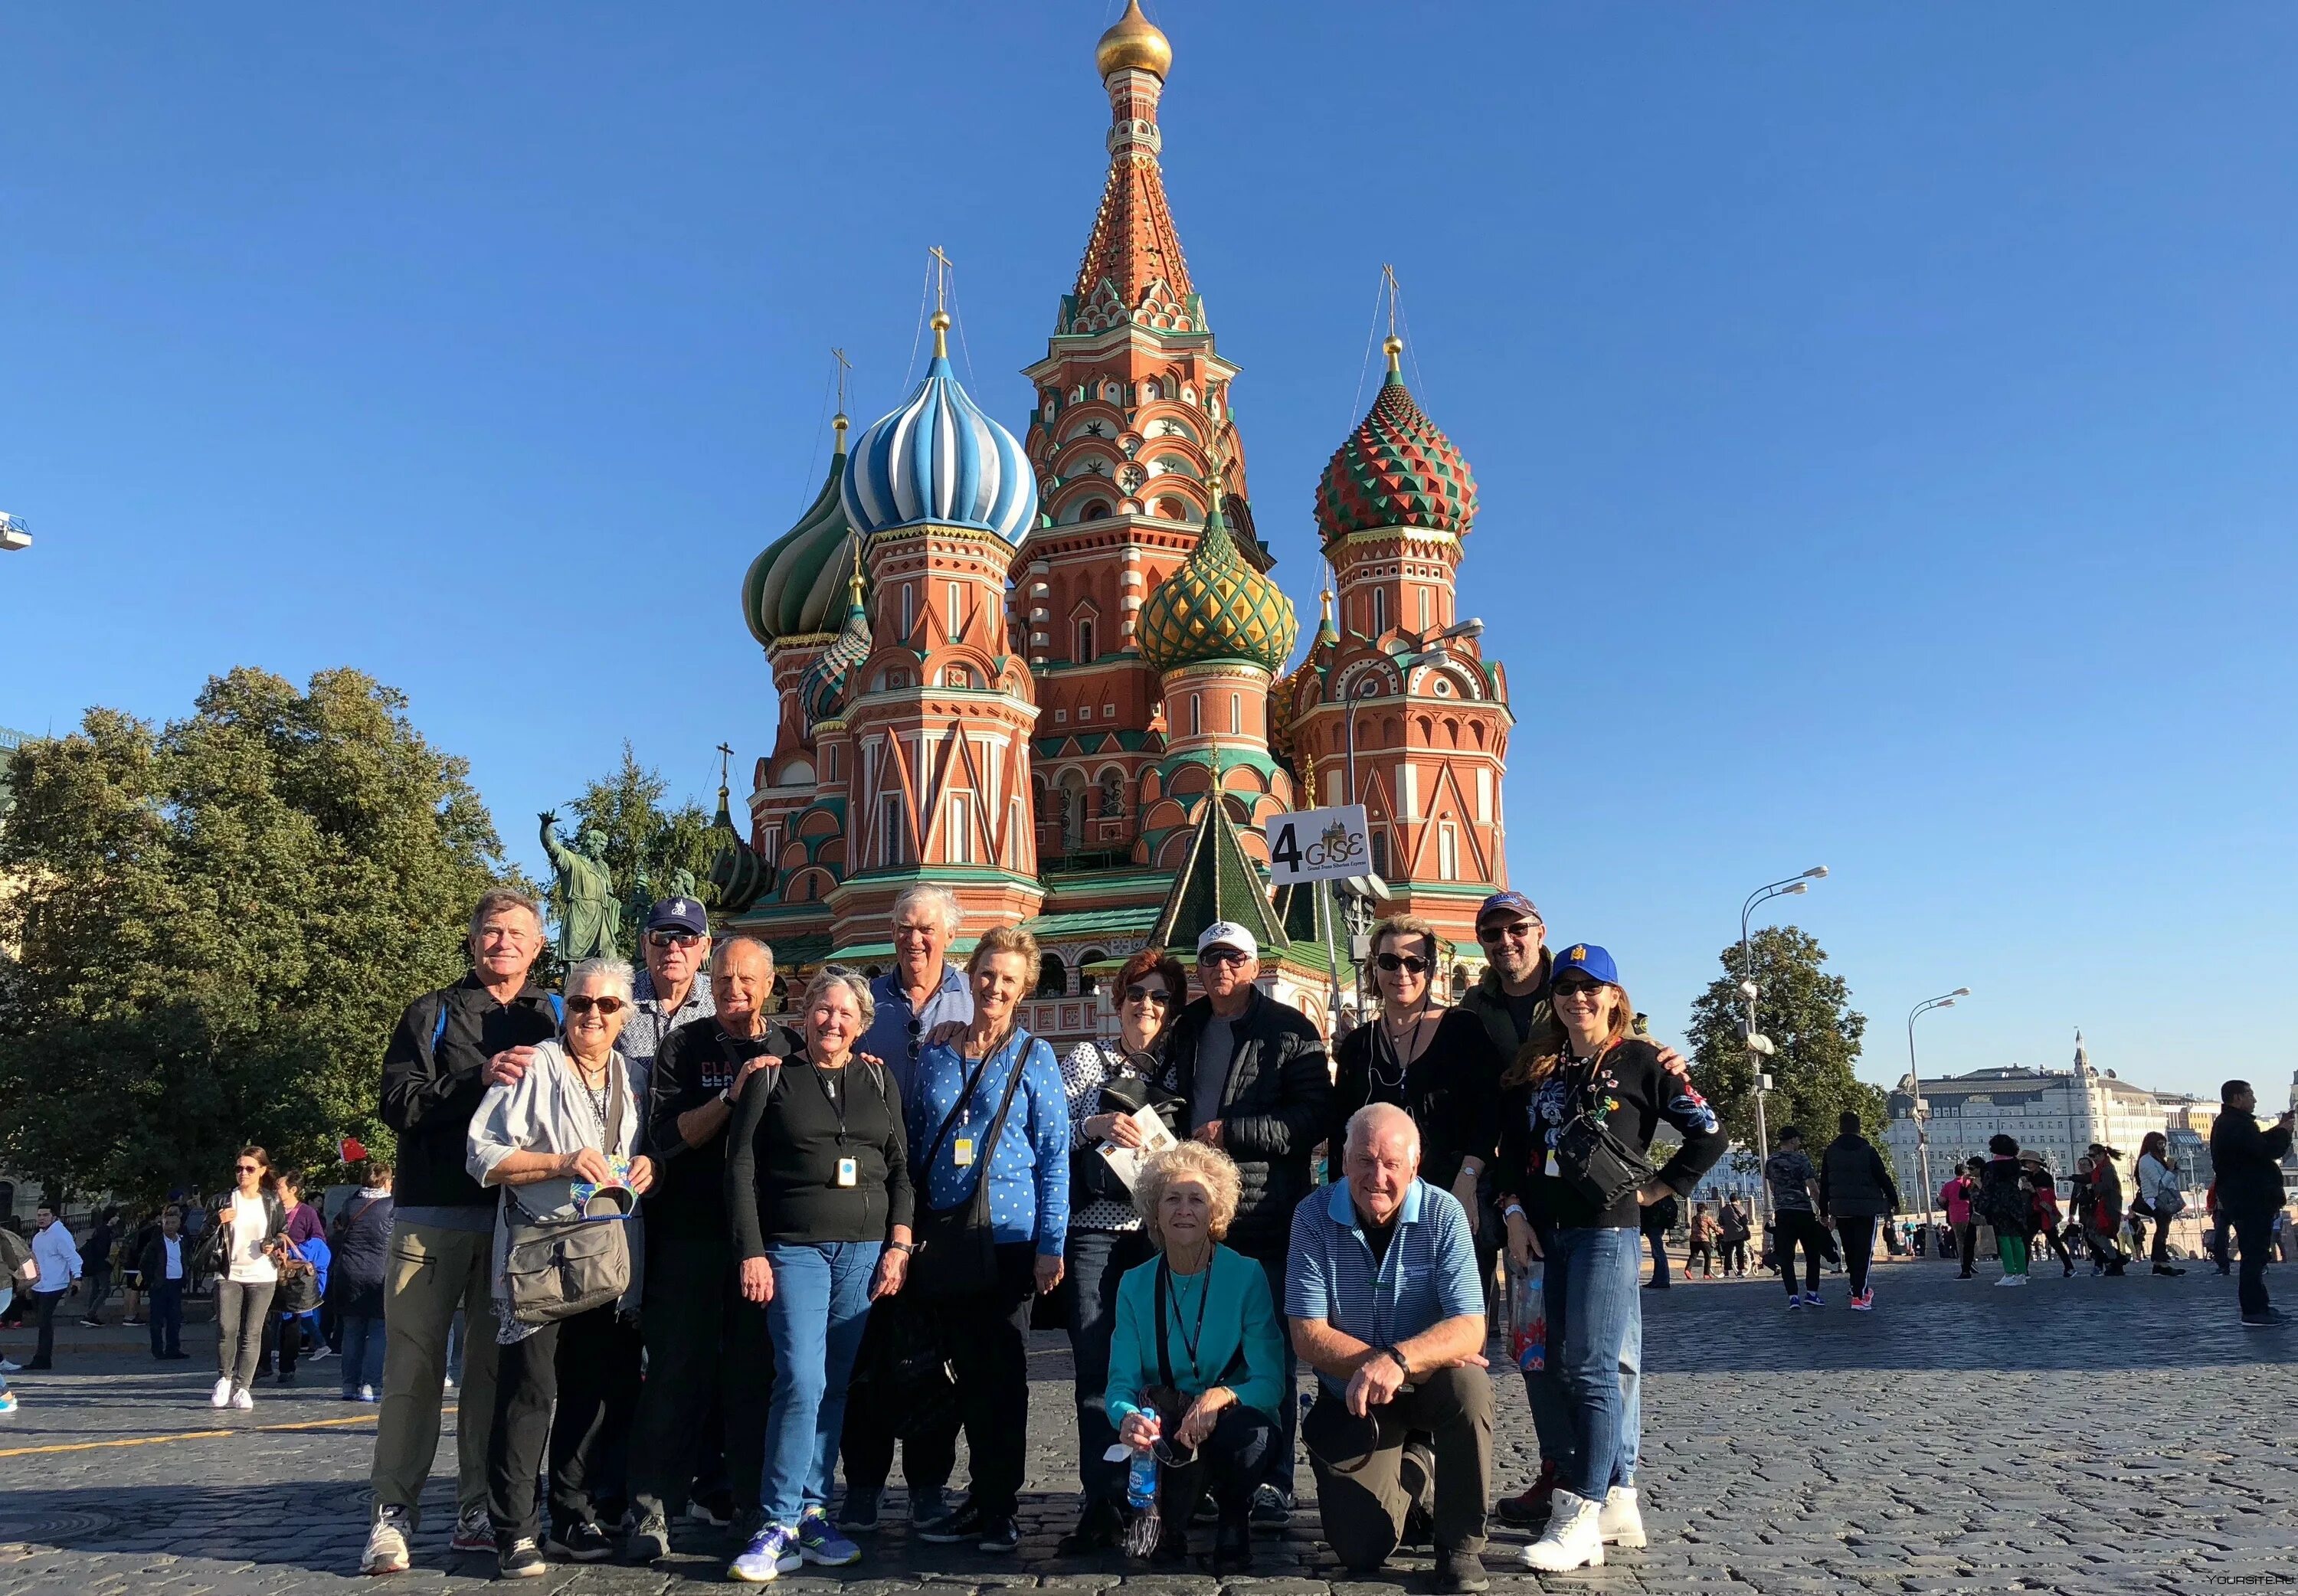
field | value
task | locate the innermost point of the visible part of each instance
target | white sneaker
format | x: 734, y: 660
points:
x: 1621, y: 1522
x: 2012, y: 1280
x: 220, y: 1397
x: 386, y: 1544
x: 10, y: 1367
x: 1573, y: 1539
x: 241, y: 1400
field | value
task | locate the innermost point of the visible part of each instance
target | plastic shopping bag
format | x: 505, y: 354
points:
x: 1528, y: 1312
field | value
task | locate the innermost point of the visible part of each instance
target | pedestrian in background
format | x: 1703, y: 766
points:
x: 2045, y: 1221
x: 1655, y: 1222
x: 1855, y: 1193
x: 2159, y: 1197
x: 95, y: 1266
x: 2248, y: 1159
x: 165, y: 1265
x: 131, y: 1272
x: 58, y: 1257
x: 1795, y: 1208
x: 1704, y: 1231
x: 247, y: 1232
x: 1955, y: 1197
x: 361, y: 1238
x: 2006, y: 1201
x: 1734, y: 1225
x: 283, y: 1331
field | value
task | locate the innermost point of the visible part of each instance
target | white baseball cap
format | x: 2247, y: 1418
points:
x: 1228, y: 934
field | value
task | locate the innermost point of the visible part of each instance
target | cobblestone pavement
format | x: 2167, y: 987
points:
x: 2107, y: 1436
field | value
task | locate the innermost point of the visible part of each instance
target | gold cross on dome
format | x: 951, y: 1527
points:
x: 943, y: 266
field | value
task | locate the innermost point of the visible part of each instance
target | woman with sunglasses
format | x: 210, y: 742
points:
x: 1436, y: 1063
x: 567, y: 1128
x: 246, y: 1249
x: 1104, y: 1080
x: 1589, y: 1067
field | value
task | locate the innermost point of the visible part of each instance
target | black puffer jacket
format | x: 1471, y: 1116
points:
x: 1853, y: 1182
x: 1272, y: 1113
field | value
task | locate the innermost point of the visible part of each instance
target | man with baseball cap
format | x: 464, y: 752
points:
x: 1253, y: 1077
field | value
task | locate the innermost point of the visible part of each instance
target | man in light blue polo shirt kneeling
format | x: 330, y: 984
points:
x: 1382, y: 1298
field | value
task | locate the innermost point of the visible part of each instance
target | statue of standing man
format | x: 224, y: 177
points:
x: 589, y: 919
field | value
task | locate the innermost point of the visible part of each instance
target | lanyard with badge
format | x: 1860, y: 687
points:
x: 850, y: 1171
x: 961, y: 1147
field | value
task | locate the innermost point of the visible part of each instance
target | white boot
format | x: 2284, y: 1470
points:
x: 1622, y: 1521
x: 222, y: 1397
x: 1573, y: 1539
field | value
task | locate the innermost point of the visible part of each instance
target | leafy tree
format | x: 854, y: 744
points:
x: 644, y: 845
x: 220, y: 921
x: 1807, y: 1015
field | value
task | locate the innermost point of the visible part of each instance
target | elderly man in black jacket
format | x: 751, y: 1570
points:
x: 2248, y: 1158
x: 1252, y: 1076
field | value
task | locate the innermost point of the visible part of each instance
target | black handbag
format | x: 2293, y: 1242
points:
x: 905, y: 1380
x: 956, y: 1254
x: 1594, y: 1162
x: 1090, y: 1175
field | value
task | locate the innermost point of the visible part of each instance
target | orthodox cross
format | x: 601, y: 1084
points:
x: 725, y: 757
x: 943, y: 265
x: 844, y: 365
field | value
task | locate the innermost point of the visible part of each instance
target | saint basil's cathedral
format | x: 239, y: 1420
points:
x: 1024, y: 669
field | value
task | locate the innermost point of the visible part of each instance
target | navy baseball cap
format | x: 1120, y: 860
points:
x: 1588, y: 960
x: 1515, y: 905
x: 679, y: 913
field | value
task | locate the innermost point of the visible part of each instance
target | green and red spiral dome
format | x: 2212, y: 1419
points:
x: 1396, y: 469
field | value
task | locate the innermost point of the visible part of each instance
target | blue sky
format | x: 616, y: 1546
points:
x: 1883, y: 414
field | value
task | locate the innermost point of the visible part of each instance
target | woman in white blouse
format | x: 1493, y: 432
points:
x: 246, y: 1231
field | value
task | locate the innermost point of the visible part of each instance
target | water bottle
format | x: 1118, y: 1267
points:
x: 1140, y: 1483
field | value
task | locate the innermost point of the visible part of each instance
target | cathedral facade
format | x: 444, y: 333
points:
x: 1051, y: 672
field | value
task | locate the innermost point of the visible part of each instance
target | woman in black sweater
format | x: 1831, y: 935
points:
x: 818, y: 1183
x: 1590, y: 1064
x: 1437, y: 1064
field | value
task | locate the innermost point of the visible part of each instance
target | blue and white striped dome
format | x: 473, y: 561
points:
x: 939, y: 459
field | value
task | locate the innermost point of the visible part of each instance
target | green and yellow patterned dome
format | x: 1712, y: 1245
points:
x: 1218, y: 607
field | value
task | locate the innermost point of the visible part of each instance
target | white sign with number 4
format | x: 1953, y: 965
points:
x: 1319, y: 844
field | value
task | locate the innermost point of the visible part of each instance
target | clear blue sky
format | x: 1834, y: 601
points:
x: 1883, y: 414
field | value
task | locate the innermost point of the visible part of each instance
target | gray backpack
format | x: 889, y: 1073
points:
x: 555, y: 1268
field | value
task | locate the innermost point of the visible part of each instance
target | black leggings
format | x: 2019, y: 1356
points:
x: 1858, y: 1233
x: 1795, y: 1225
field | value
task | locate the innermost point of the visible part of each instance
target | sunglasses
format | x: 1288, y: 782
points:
x: 1223, y: 956
x: 1515, y: 930
x: 1394, y: 961
x: 605, y: 1005
x: 251, y: 1168
x: 1572, y: 988
x: 673, y: 938
x: 1156, y: 995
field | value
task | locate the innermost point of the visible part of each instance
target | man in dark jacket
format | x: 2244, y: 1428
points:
x: 1252, y: 1075
x: 434, y: 1073
x: 2248, y: 1159
x: 1855, y: 1191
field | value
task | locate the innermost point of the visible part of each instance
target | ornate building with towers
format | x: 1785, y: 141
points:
x: 1051, y: 673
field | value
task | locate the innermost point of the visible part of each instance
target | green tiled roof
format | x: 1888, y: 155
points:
x: 1091, y: 923
x: 1217, y: 881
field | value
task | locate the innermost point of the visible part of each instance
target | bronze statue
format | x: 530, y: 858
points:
x: 589, y: 919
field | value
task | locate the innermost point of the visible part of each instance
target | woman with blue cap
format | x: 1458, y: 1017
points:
x: 1582, y: 1102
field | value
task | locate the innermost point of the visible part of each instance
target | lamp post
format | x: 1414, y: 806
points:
x: 13, y: 534
x: 1758, y: 1046
x: 1945, y: 1000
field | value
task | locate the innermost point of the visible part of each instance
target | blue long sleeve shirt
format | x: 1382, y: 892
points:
x: 1028, y: 1172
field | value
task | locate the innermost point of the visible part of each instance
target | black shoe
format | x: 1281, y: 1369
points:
x: 1206, y: 1511
x: 288, y: 1379
x: 963, y: 1523
x: 1460, y: 1571
x: 648, y: 1541
x: 518, y: 1556
x: 748, y: 1523
x: 2266, y: 1321
x: 713, y: 1507
x: 2164, y: 1269
x: 1419, y: 1528
x: 1099, y: 1528
x: 37, y: 1365
x: 1271, y: 1509
x: 583, y: 1543
x: 92, y: 1322
x: 999, y: 1533
x: 1233, y: 1545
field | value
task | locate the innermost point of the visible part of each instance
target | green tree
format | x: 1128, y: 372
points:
x: 644, y: 845
x: 1814, y: 1033
x: 220, y: 921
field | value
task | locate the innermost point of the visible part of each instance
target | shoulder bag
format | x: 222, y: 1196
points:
x: 299, y: 1281
x: 956, y: 1254
x: 1593, y: 1159
x: 554, y: 1269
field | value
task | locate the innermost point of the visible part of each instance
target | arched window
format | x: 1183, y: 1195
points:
x: 1113, y: 795
x: 1053, y: 978
x: 1113, y: 393
x: 1380, y: 853
x: 1196, y: 714
x: 1379, y: 611
x: 1098, y: 511
x: 1235, y: 713
x: 1151, y: 389
x: 1073, y: 810
x: 1087, y: 985
x: 1085, y: 650
x: 909, y: 607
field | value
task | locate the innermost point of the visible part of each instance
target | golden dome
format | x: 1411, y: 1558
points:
x: 1134, y: 42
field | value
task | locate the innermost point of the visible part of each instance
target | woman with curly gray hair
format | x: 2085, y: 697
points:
x: 1197, y: 1369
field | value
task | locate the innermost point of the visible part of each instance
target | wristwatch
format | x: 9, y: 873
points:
x: 1401, y: 1363
x: 904, y: 1247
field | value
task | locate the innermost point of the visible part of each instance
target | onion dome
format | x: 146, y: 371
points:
x: 821, y: 688
x: 1134, y: 42
x: 793, y: 588
x: 1218, y: 607
x: 1396, y: 469
x: 939, y: 459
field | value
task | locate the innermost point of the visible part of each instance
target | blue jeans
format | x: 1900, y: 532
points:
x: 166, y: 1315
x: 363, y: 1344
x: 820, y: 1303
x: 1595, y: 1349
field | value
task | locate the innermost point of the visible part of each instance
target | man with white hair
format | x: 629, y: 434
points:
x: 922, y: 993
x: 1383, y: 1300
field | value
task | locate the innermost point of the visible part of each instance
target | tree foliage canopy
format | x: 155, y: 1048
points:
x: 642, y: 844
x: 220, y: 921
x: 1807, y: 1015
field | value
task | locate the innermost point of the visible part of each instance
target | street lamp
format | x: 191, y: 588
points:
x: 13, y: 534
x: 1758, y: 1044
x: 1945, y: 1000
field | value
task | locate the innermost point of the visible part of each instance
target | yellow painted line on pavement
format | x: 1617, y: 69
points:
x: 314, y: 1424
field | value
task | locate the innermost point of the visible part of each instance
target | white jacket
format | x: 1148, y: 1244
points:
x: 58, y: 1256
x: 2153, y: 1178
x: 549, y: 1112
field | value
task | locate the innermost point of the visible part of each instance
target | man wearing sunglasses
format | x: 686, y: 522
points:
x: 1253, y: 1080
x: 436, y: 1072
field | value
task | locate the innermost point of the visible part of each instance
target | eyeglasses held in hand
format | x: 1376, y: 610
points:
x: 605, y: 1005
x: 1394, y: 961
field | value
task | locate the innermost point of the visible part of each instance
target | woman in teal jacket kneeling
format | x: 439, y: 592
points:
x: 1197, y: 1364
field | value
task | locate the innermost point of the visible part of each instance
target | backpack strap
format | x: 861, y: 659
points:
x: 439, y: 1025
x: 557, y: 1008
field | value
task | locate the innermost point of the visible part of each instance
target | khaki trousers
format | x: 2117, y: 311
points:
x: 1363, y: 1501
x: 431, y: 1273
